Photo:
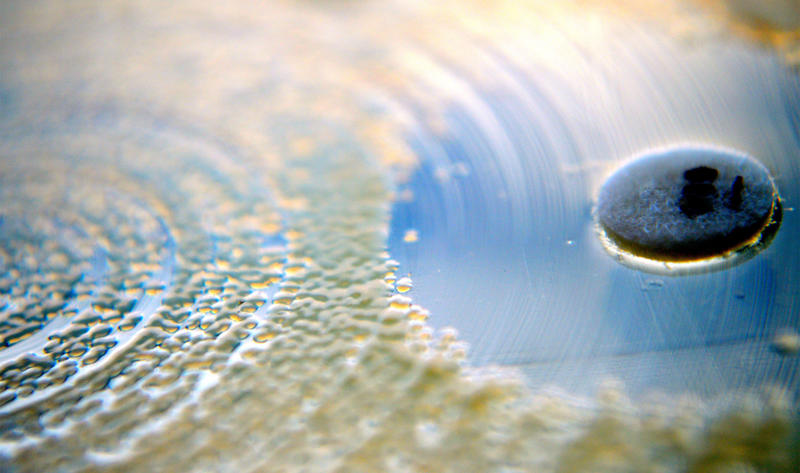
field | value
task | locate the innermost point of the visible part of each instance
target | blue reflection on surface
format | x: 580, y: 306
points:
x: 507, y: 253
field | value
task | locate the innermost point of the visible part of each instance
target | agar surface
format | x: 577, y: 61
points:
x: 194, y: 267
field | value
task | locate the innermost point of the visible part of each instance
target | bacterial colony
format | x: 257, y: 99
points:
x: 193, y: 225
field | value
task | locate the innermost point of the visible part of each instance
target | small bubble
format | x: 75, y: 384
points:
x: 417, y: 313
x: 448, y: 334
x: 411, y: 236
x: 786, y: 342
x: 400, y: 302
x: 404, y: 285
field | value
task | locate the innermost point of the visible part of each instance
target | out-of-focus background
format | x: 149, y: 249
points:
x: 358, y: 236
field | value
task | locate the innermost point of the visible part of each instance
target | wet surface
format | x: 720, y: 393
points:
x: 233, y: 236
x: 503, y: 208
